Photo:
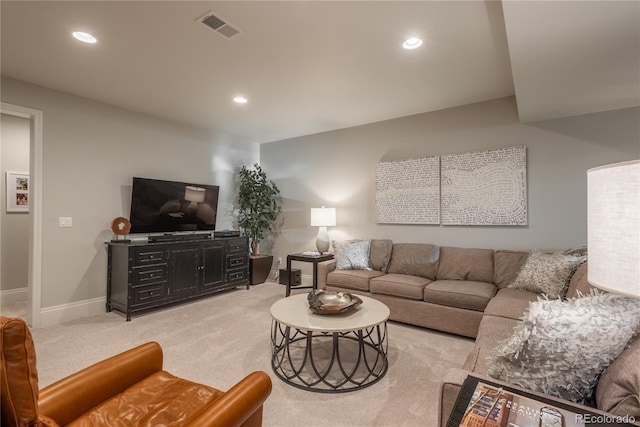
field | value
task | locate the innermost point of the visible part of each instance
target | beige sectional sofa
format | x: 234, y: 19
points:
x: 443, y: 288
x: 466, y: 292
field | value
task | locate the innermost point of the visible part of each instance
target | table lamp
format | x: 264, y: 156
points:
x: 323, y: 218
x: 613, y: 225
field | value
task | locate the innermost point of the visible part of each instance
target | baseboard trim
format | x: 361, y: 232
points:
x: 12, y: 296
x: 56, y: 314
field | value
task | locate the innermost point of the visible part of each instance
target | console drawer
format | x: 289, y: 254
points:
x: 236, y: 261
x: 148, y: 294
x: 150, y: 274
x: 146, y: 256
x: 238, y: 275
x: 237, y: 246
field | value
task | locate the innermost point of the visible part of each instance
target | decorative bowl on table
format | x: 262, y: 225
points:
x: 323, y: 302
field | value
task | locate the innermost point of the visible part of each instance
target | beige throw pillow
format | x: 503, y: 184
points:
x: 547, y: 274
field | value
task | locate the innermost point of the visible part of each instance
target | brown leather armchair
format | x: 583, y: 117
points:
x: 129, y: 389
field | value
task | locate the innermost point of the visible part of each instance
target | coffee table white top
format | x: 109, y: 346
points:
x: 294, y: 311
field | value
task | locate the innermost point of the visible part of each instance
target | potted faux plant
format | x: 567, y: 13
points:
x: 259, y: 207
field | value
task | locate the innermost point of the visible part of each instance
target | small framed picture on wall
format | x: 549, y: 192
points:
x: 17, y: 192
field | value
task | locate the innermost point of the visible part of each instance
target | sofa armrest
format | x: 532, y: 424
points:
x: 68, y: 398
x: 240, y: 406
x: 324, y: 268
x: 449, y: 388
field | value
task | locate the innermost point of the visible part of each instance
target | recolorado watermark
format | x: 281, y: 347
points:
x: 605, y: 419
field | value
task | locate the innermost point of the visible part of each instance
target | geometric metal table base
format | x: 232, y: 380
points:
x: 329, y: 362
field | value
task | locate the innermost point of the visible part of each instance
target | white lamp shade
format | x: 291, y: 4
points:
x: 194, y: 194
x: 613, y: 215
x: 323, y: 217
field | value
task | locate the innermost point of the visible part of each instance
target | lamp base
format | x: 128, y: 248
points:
x: 323, y: 242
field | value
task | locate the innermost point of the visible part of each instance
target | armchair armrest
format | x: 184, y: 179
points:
x: 71, y: 396
x: 324, y: 268
x: 240, y: 406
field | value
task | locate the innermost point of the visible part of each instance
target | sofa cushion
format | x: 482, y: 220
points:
x: 547, y: 274
x: 618, y: 390
x: 561, y: 347
x: 467, y: 294
x: 466, y: 264
x: 352, y: 254
x: 507, y: 265
x: 401, y: 285
x: 510, y: 303
x: 352, y: 279
x: 160, y: 399
x: 381, y: 254
x: 414, y: 259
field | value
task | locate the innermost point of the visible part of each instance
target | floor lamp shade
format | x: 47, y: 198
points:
x: 613, y: 216
x: 323, y: 218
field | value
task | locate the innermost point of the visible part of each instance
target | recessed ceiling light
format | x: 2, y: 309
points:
x: 240, y: 100
x: 84, y: 37
x: 412, y: 43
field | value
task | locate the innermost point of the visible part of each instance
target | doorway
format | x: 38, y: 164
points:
x: 34, y: 264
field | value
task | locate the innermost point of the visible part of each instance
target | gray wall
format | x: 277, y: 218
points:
x: 337, y: 169
x: 14, y: 226
x: 90, y: 152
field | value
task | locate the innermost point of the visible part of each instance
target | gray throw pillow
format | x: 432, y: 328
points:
x: 352, y: 254
x: 561, y: 347
x: 547, y: 274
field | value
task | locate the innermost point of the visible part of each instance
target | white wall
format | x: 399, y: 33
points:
x: 14, y: 230
x: 338, y: 169
x: 91, y: 151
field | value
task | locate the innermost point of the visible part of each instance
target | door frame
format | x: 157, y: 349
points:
x: 35, y: 196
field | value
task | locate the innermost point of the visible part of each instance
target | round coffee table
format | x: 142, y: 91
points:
x: 329, y: 353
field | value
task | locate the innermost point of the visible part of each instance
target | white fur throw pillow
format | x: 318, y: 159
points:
x: 547, y: 274
x: 352, y: 254
x: 561, y: 347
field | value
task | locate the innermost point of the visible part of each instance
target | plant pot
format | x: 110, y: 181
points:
x: 259, y: 268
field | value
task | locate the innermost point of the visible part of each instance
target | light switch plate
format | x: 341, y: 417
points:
x: 65, y: 222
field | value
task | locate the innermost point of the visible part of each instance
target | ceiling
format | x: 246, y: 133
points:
x: 313, y: 66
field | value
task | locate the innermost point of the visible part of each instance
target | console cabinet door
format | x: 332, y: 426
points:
x: 184, y: 270
x: 212, y: 265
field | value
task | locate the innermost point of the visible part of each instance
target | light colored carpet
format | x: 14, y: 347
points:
x: 219, y: 340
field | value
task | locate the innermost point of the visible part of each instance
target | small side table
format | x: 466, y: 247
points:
x: 315, y: 259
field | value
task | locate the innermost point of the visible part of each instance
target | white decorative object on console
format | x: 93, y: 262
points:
x: 613, y: 216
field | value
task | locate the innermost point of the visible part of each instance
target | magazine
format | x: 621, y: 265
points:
x: 482, y: 403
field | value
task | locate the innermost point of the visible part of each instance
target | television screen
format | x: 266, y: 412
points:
x: 167, y: 206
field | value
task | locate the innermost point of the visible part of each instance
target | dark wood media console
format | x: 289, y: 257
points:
x: 142, y: 277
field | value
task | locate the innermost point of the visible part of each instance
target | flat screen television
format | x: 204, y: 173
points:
x: 159, y: 206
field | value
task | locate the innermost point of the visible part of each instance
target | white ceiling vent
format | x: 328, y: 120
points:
x: 218, y: 24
